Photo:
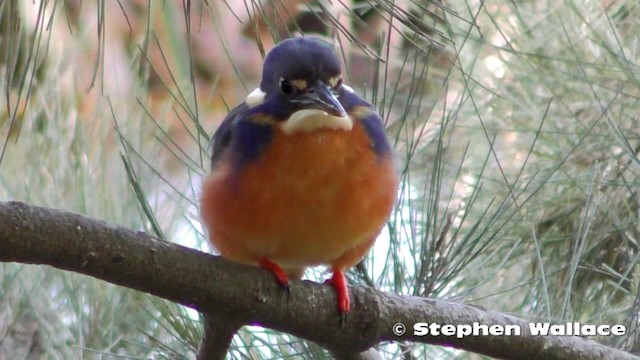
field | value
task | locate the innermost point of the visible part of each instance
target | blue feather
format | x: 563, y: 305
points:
x: 372, y: 123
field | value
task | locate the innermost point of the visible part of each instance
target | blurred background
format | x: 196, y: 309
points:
x: 515, y: 124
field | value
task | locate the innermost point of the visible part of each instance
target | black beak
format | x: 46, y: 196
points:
x: 322, y: 98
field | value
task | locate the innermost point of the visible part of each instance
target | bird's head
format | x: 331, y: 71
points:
x: 302, y: 79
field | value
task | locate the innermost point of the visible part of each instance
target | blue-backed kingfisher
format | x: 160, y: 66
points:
x: 302, y: 173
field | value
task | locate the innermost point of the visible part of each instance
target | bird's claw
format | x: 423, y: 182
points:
x: 287, y: 289
x: 342, y: 321
x: 280, y: 275
x: 339, y: 283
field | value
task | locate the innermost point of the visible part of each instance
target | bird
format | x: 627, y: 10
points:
x: 302, y: 173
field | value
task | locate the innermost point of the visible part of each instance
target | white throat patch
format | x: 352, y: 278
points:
x: 256, y: 97
x: 309, y: 120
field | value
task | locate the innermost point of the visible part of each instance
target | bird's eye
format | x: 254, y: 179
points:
x: 286, y: 87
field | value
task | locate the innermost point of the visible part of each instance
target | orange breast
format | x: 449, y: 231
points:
x: 310, y: 199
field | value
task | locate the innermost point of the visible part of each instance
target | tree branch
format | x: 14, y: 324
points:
x: 249, y: 295
x: 218, y: 333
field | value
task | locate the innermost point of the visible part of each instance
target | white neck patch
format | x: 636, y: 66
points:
x: 256, y: 97
x: 309, y: 120
x: 347, y: 87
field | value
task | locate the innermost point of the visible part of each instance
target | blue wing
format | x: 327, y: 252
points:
x: 363, y: 111
x: 221, y: 139
x: 240, y: 135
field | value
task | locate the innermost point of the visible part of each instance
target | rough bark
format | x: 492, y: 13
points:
x: 248, y: 295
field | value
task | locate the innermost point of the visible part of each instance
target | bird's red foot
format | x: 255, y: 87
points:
x: 339, y: 283
x: 281, y: 276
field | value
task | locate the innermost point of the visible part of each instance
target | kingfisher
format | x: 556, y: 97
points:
x: 302, y: 173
